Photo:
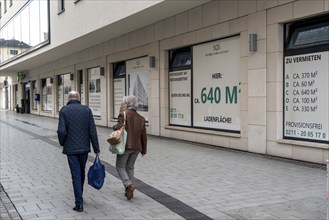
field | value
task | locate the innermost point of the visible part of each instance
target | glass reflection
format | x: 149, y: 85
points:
x: 17, y: 32
x: 25, y: 25
x: 34, y: 23
x: 26, y: 31
x: 44, y: 21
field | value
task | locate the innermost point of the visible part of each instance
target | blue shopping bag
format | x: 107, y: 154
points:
x: 96, y: 174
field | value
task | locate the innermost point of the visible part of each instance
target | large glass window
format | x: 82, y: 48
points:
x: 26, y: 31
x: 47, y: 94
x: 306, y: 80
x: 18, y: 102
x: 119, y: 81
x: 82, y: 88
x: 131, y: 78
x: 137, y: 83
x: 180, y: 112
x: 204, y: 93
x: 36, y: 95
x: 34, y: 23
x: 64, y: 86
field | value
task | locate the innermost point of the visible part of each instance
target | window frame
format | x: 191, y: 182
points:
x: 61, y: 6
x: 5, y: 6
x: 294, y: 28
x: 291, y: 30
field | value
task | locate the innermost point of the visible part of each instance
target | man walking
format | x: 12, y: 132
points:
x: 76, y: 129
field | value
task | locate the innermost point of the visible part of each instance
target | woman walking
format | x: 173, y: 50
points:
x: 136, y: 143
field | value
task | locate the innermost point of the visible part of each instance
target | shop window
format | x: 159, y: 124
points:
x: 36, y: 95
x: 306, y: 80
x: 137, y: 83
x: 180, y: 81
x: 64, y: 86
x: 204, y: 93
x: 16, y: 96
x: 81, y: 87
x: 47, y: 95
x: 131, y: 78
x: 94, y: 91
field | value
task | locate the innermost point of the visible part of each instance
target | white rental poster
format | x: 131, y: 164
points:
x: 216, y: 85
x: 119, y: 93
x: 137, y: 83
x: 180, y: 97
x: 306, y: 108
x: 94, y: 84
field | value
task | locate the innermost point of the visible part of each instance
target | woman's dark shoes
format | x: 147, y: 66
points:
x: 78, y: 208
x: 130, y: 191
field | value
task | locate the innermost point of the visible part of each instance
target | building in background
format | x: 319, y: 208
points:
x: 247, y: 75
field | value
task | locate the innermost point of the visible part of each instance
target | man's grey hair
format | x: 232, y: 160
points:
x: 132, y: 102
x: 74, y: 95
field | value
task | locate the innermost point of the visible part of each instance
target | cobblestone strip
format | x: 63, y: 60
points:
x: 7, y: 208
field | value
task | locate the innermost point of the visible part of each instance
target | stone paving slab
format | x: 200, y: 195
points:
x: 219, y: 183
x: 7, y: 209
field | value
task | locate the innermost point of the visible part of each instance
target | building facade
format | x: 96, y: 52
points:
x: 250, y: 75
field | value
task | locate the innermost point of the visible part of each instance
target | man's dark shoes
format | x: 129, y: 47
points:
x: 78, y: 208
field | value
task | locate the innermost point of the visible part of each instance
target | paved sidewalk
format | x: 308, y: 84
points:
x: 175, y: 180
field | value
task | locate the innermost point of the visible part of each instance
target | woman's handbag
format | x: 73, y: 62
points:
x: 121, y: 146
x: 119, y: 139
x: 96, y: 174
x: 115, y: 137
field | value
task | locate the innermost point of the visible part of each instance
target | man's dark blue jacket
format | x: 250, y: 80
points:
x: 76, y: 129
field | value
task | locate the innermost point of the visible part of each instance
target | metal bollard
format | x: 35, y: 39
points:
x: 327, y: 194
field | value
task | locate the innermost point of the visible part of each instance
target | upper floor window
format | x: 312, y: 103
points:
x: 26, y: 31
x: 13, y: 52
